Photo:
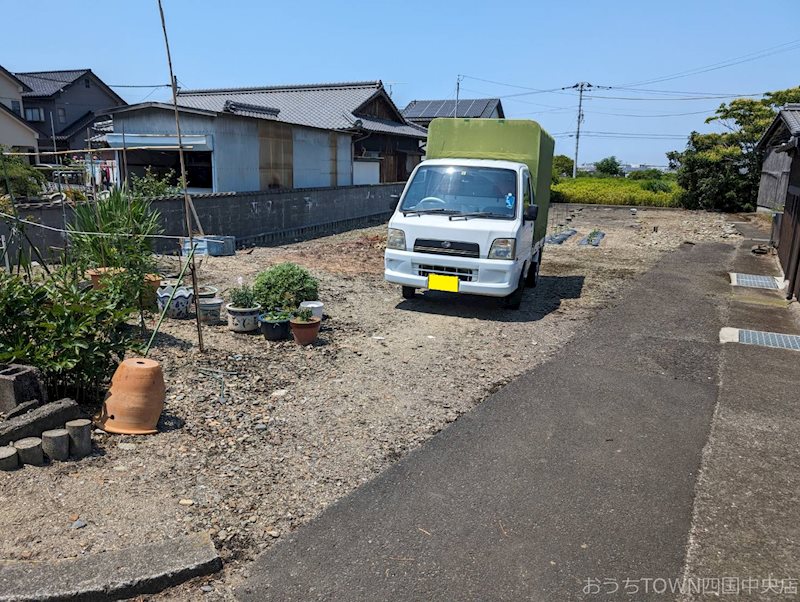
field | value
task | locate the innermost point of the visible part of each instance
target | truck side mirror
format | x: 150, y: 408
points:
x: 393, y: 203
x: 532, y: 212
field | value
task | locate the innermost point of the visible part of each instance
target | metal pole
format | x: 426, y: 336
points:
x: 55, y: 148
x: 124, y: 181
x: 581, y: 86
x: 187, y: 201
x: 91, y: 163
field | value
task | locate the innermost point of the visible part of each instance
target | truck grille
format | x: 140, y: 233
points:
x: 464, y: 274
x: 447, y: 247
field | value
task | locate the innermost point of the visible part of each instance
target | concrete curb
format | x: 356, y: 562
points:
x: 113, y: 575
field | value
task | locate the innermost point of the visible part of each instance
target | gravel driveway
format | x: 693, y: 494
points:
x: 297, y: 428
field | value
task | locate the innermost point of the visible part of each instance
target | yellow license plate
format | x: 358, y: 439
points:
x: 438, y: 282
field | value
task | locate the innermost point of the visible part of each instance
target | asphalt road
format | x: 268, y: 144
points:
x: 582, y: 469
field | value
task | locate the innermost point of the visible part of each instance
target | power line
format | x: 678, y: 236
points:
x: 759, y: 54
x: 651, y: 116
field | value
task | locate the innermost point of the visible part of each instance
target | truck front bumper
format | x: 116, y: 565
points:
x: 488, y: 277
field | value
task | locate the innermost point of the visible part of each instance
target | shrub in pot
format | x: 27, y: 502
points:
x: 243, y: 309
x: 285, y: 285
x: 275, y: 324
x: 305, y: 327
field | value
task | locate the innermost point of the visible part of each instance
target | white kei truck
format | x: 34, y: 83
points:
x: 473, y: 216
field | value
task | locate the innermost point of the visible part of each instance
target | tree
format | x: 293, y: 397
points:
x: 610, y: 166
x: 721, y: 171
x: 562, y: 167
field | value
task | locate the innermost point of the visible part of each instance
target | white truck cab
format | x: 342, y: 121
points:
x: 468, y: 225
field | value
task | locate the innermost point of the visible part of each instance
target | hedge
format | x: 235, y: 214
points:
x: 616, y: 191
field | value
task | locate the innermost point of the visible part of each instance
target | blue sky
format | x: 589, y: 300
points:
x: 421, y: 47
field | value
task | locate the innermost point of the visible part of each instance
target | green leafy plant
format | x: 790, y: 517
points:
x: 76, y: 195
x: 242, y: 296
x: 285, y: 285
x: 303, y: 315
x: 152, y: 185
x: 278, y: 315
x: 74, y: 335
x: 24, y: 180
x: 647, y: 174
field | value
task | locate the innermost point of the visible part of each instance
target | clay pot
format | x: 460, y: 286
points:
x: 135, y: 399
x: 97, y: 276
x: 305, y: 333
x: 152, y: 282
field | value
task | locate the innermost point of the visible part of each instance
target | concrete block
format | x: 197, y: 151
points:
x: 29, y: 450
x: 34, y: 423
x: 9, y: 460
x: 80, y: 437
x: 25, y: 406
x: 19, y: 383
x: 55, y: 444
x: 113, y: 575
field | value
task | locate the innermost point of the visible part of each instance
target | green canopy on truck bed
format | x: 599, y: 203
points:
x: 518, y: 140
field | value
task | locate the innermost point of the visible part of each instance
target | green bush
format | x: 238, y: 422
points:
x: 25, y: 180
x: 74, y: 335
x: 646, y: 174
x: 285, y: 285
x: 614, y: 191
x: 152, y: 185
x: 656, y: 186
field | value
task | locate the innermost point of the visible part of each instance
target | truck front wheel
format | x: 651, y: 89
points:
x: 514, y: 300
x: 409, y: 292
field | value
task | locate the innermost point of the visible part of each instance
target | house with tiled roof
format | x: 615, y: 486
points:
x: 274, y: 137
x: 422, y: 112
x: 15, y: 132
x: 61, y: 105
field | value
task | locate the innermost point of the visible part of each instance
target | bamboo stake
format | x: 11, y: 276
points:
x: 187, y: 201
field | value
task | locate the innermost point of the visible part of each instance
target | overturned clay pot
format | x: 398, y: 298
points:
x: 136, y: 398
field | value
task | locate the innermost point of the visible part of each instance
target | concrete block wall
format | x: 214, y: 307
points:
x: 254, y: 218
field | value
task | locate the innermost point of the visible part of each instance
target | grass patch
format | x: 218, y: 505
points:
x: 617, y: 191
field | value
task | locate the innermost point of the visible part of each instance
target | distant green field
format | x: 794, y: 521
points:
x: 617, y: 191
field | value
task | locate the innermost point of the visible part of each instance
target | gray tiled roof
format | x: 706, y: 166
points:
x: 47, y: 83
x: 431, y: 109
x: 789, y: 115
x: 326, y: 106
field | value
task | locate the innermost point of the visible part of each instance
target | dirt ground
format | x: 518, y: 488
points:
x: 295, y: 428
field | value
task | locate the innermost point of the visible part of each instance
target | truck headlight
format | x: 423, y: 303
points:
x: 396, y: 239
x: 502, y: 248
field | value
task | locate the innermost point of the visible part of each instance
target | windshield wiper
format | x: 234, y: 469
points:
x: 407, y: 212
x: 480, y: 214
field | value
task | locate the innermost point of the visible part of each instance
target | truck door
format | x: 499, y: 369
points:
x: 526, y: 232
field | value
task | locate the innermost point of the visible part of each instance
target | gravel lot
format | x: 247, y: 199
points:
x: 297, y: 428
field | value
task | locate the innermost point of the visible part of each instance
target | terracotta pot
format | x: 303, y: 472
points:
x: 98, y: 275
x: 152, y: 282
x: 305, y: 333
x: 135, y: 399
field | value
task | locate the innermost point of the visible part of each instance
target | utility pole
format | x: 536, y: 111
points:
x: 458, y: 91
x: 57, y: 160
x: 580, y: 87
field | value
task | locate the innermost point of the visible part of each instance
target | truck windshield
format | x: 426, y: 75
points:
x: 487, y: 191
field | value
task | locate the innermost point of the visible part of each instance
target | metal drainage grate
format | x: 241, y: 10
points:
x: 770, y: 339
x: 754, y: 281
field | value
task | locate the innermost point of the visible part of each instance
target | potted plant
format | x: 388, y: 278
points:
x: 243, y: 310
x: 285, y: 285
x: 181, y: 304
x: 305, y: 327
x: 275, y: 324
